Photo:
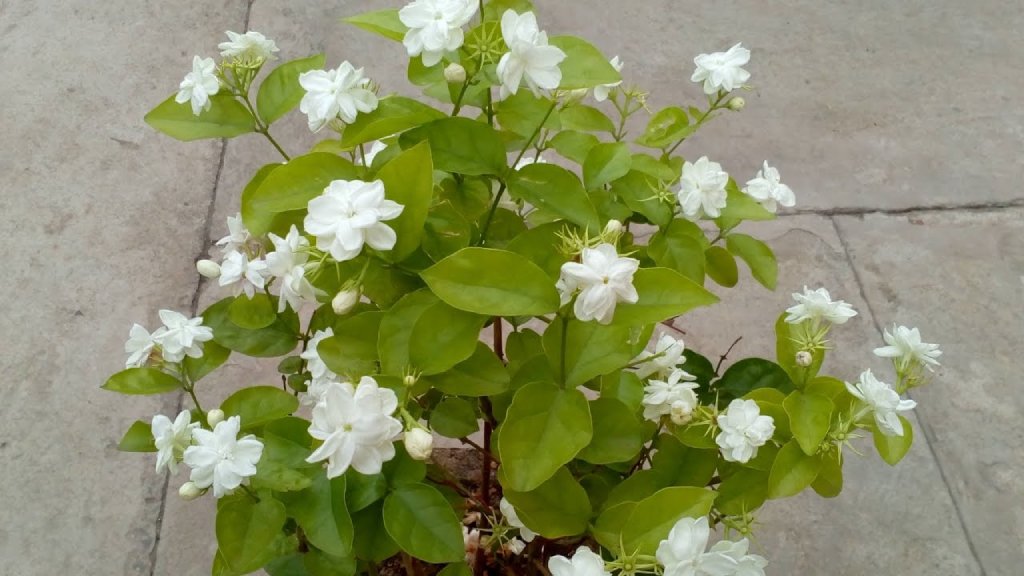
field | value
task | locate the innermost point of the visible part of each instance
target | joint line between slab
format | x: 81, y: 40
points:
x: 864, y: 211
x: 928, y: 435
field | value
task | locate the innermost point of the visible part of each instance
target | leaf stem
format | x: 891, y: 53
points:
x: 700, y: 121
x: 565, y: 341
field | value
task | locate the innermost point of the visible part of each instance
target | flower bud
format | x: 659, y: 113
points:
x: 409, y: 380
x: 419, y: 443
x: 214, y: 417
x: 208, y: 268
x: 804, y: 358
x: 736, y: 104
x: 345, y: 301
x: 681, y: 413
x: 612, y: 228
x: 189, y: 491
x: 454, y: 73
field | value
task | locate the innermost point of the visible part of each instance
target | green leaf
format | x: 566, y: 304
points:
x: 663, y: 294
x: 584, y: 66
x: 810, y: 416
x: 393, y: 339
x: 680, y: 465
x: 493, y: 9
x: 276, y: 340
x: 259, y: 405
x: 536, y: 245
x: 459, y: 569
x: 740, y: 206
x: 408, y: 180
x: 586, y: 119
x: 559, y: 507
x: 674, y: 248
x: 446, y: 231
x: 544, y: 429
x: 482, y: 374
x: 280, y: 90
x: 758, y: 256
x: 403, y: 470
x: 253, y: 313
x: 461, y: 145
x: 744, y: 491
x: 579, y: 351
x: 523, y: 112
x: 787, y: 337
x: 383, y: 22
x: 454, y: 418
x: 423, y: 524
x: 278, y: 223
x: 291, y: 186
x: 246, y: 531
x: 640, y: 193
x: 226, y: 118
x: 696, y: 436
x: 624, y: 386
x: 606, y: 163
x: 829, y: 482
x: 442, y: 337
x: 750, y: 374
x: 666, y: 127
x: 214, y: 355
x: 607, y: 530
x: 653, y: 517
x: 492, y: 282
x: 618, y: 434
x: 142, y: 381
x: 720, y: 264
x: 372, y: 541
x: 283, y: 466
x: 319, y: 563
x: 352, y: 351
x: 574, y: 145
x: 792, y: 471
x: 892, y: 449
x: 554, y: 188
x: 323, y: 515
x: 138, y: 438
x: 394, y: 114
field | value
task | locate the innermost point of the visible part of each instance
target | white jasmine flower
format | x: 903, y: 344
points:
x: 181, y: 336
x: 139, y: 346
x: 510, y: 514
x: 529, y: 57
x: 767, y: 189
x: 171, y: 439
x: 682, y: 553
x: 584, y: 563
x: 746, y: 564
x: 376, y: 147
x: 238, y: 236
x: 289, y: 252
x: 419, y: 443
x: 350, y: 213
x: 345, y: 301
x: 667, y: 355
x: 744, y: 429
x: 702, y: 189
x: 221, y: 459
x: 242, y: 274
x: 296, y: 290
x: 601, y: 92
x: 435, y: 27
x: 603, y: 278
x: 883, y: 401
x: 340, y: 93
x: 199, y: 85
x: 905, y: 346
x: 356, y: 427
x: 321, y: 374
x: 471, y: 541
x: 515, y: 546
x: 249, y: 46
x: 676, y: 394
x: 817, y: 305
x: 526, y: 160
x: 722, y: 70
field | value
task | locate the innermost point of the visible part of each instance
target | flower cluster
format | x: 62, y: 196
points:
x: 180, y: 336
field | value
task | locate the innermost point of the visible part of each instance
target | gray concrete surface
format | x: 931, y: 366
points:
x: 895, y: 123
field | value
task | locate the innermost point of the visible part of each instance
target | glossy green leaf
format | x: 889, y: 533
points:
x: 758, y: 256
x: 584, y: 66
x: 586, y: 119
x: 319, y: 563
x: 574, y: 145
x: 394, y: 114
x: 253, y: 313
x: 523, y: 112
x: 408, y: 180
x: 138, y: 438
x: 829, y: 482
x: 792, y: 471
x: 372, y: 541
x: 322, y: 513
x: 246, y: 531
x: 551, y: 187
x: 482, y: 374
x: 446, y: 231
x: 674, y: 248
x: 454, y: 418
x: 664, y: 294
x: 557, y: 508
x: 892, y: 449
x: 653, y: 517
x: 740, y: 206
x: 579, y: 351
x: 607, y: 530
x: 282, y: 466
x: 276, y: 340
x: 639, y: 191
x: 492, y: 282
x: 493, y: 9
x: 606, y: 163
x: 214, y: 356
x: 142, y: 381
x: 383, y: 22
x: 743, y: 491
x: 720, y: 265
x: 423, y: 524
x: 461, y: 145
x: 750, y: 374
x: 394, y: 336
x: 810, y: 416
x: 624, y: 386
x: 226, y: 118
x: 443, y: 337
x: 666, y: 127
x: 544, y: 429
x: 618, y: 433
x: 457, y: 569
x: 787, y: 338
x: 259, y: 219
x: 352, y: 350
x: 291, y: 186
x: 258, y: 405
x: 280, y: 91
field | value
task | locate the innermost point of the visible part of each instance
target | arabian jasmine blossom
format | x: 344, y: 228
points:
x: 335, y: 94
x: 674, y: 394
x: 237, y: 238
x: 603, y: 279
x: 668, y: 354
x: 884, y: 402
x: 906, y: 348
x: 767, y: 189
x: 529, y: 58
x: 181, y: 336
x: 251, y: 47
x: 242, y: 274
x: 817, y: 305
x: 583, y: 563
x: 199, y: 85
x: 702, y: 189
x: 743, y: 430
x: 722, y: 70
x: 139, y: 346
x: 349, y: 214
x: 221, y: 459
x: 435, y: 27
x: 601, y: 91
x: 171, y: 439
x: 682, y: 553
x: 512, y: 517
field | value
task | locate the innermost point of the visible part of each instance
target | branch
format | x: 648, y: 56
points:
x: 726, y: 355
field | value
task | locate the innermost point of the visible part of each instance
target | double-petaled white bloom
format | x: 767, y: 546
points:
x: 220, y: 458
x: 237, y: 238
x: 743, y: 430
x: 289, y: 252
x: 529, y: 58
x: 510, y: 514
x: 376, y: 147
x: 296, y: 290
x: 601, y: 91
x: 722, y: 70
x: 317, y: 368
x: 199, y: 85
x: 702, y: 189
x: 251, y: 46
x: 356, y: 427
x: 682, y: 553
x: 171, y: 439
x: 768, y: 189
x: 341, y: 93
x: 667, y: 355
x: 584, y: 563
x: 138, y: 347
x: 603, y: 278
x: 435, y: 27
x: 351, y: 213
x: 905, y: 348
x: 243, y: 274
x: 817, y: 305
x: 882, y: 401
x: 181, y: 336
x: 674, y: 395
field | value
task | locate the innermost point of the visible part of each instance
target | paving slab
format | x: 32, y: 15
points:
x: 106, y: 218
x: 958, y: 277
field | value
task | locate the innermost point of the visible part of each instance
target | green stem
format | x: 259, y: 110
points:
x: 700, y: 121
x: 249, y: 491
x: 192, y: 393
x: 261, y: 127
x: 458, y: 100
x: 565, y: 341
